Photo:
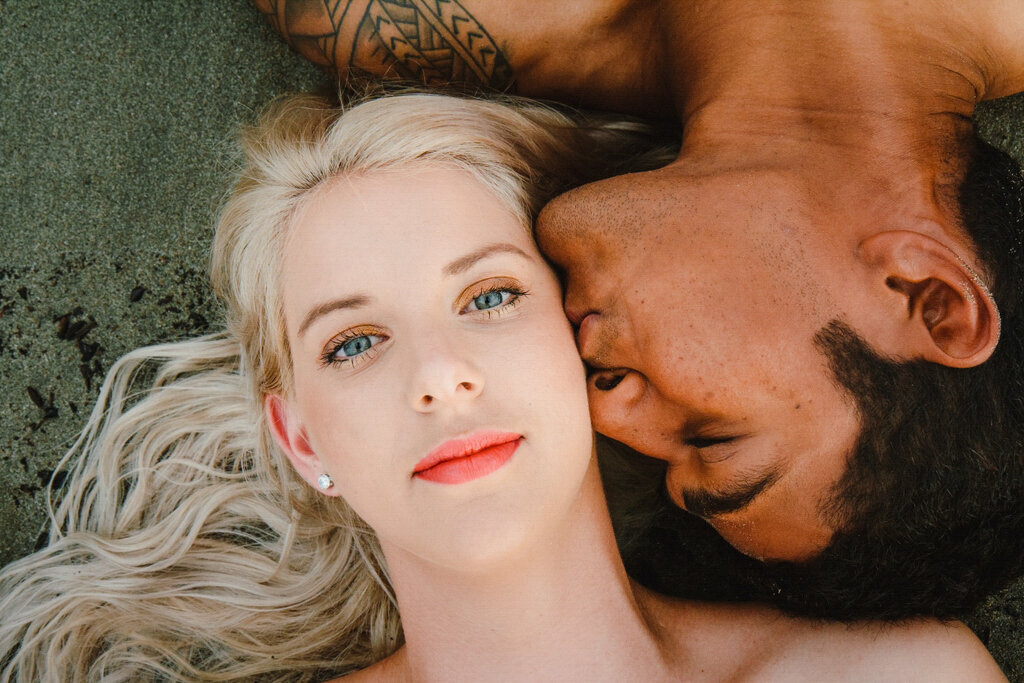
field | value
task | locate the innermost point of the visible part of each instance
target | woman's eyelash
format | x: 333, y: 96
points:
x: 356, y: 346
x: 480, y: 298
x: 353, y: 340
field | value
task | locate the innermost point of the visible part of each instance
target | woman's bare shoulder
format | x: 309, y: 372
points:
x: 390, y: 669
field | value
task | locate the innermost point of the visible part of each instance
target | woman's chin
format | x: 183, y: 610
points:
x: 485, y: 536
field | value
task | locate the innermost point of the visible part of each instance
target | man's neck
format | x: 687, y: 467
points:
x: 563, y: 605
x: 846, y: 74
x: 877, y: 96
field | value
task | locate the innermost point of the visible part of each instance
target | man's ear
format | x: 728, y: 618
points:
x: 290, y: 435
x: 948, y: 314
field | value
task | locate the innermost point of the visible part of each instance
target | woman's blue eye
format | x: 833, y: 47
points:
x: 357, y: 345
x: 352, y: 348
x: 490, y: 299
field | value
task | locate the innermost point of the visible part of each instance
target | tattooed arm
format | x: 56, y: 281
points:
x: 596, y: 54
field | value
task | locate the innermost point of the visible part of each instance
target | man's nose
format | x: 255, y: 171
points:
x: 444, y: 377
x: 629, y: 414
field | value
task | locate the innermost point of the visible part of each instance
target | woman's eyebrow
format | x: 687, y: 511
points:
x: 354, y: 301
x: 459, y: 265
x: 464, y: 263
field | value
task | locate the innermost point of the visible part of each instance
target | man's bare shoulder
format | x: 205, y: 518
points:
x: 756, y: 642
x: 922, y: 649
x: 431, y: 43
x: 601, y: 53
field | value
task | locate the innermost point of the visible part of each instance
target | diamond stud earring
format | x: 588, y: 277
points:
x: 324, y: 482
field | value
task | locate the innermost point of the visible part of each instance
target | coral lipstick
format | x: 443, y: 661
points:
x: 468, y: 458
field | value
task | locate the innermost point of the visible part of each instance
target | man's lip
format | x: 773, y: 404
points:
x: 604, y: 378
x: 465, y: 446
x: 585, y: 331
x: 576, y: 316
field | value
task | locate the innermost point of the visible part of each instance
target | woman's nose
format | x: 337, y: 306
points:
x: 445, y: 379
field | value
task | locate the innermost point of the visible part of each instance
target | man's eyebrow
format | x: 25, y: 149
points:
x: 464, y: 263
x: 354, y: 301
x: 709, y: 503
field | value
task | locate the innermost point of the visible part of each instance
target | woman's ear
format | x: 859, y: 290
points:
x: 290, y: 435
x: 950, y: 315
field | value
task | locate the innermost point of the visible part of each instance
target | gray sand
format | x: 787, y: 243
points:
x: 116, y: 125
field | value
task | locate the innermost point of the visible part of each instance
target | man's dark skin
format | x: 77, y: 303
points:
x: 821, y: 149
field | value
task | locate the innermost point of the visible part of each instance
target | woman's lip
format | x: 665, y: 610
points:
x: 468, y: 457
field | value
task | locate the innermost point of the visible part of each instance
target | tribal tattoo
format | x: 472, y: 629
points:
x: 430, y: 41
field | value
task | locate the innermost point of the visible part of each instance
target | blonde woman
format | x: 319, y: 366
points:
x: 394, y: 423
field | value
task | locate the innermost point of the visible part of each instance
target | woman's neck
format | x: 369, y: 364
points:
x: 562, y: 606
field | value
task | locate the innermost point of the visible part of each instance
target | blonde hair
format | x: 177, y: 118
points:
x: 184, y: 546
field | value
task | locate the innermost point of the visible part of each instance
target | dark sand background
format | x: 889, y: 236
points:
x: 116, y: 144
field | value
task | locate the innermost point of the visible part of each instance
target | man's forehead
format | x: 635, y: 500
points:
x: 619, y: 206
